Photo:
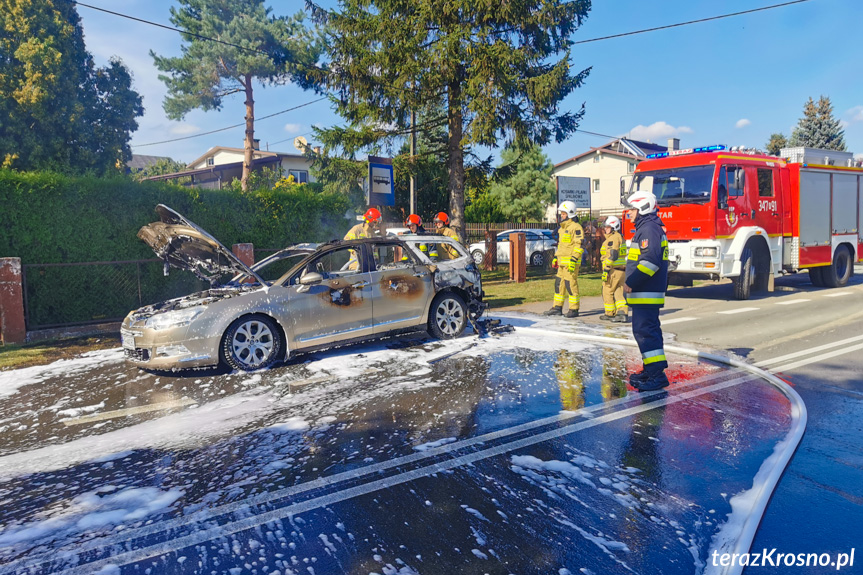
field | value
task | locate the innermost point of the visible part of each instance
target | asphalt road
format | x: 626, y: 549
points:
x: 524, y: 453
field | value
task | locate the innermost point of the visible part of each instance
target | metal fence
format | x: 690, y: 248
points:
x: 476, y: 232
x: 60, y: 295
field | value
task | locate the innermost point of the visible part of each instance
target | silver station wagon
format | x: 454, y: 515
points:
x: 329, y: 294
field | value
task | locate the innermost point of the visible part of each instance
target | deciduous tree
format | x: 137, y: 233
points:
x: 57, y: 109
x: 777, y: 142
x: 498, y: 70
x: 230, y: 45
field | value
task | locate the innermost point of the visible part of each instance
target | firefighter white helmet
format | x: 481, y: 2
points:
x: 567, y: 207
x: 644, y: 202
x: 613, y: 222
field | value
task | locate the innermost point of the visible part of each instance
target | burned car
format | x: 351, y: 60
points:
x: 331, y: 294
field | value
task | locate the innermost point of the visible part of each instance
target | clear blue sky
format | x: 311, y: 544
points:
x: 732, y: 81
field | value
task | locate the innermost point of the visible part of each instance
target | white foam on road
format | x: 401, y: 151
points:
x: 12, y: 380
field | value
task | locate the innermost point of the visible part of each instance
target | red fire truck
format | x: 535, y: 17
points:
x: 750, y: 217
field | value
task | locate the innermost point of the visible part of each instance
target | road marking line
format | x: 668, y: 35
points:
x: 676, y: 320
x: 792, y: 301
x: 129, y: 411
x: 803, y: 362
x: 841, y: 293
x: 808, y: 351
x: 739, y: 310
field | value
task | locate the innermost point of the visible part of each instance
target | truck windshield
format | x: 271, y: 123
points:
x: 676, y: 185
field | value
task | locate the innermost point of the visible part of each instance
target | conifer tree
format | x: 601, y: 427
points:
x: 526, y: 193
x: 254, y: 47
x: 498, y: 71
x: 818, y: 128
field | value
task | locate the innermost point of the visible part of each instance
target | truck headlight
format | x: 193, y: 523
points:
x: 177, y: 318
x: 705, y: 252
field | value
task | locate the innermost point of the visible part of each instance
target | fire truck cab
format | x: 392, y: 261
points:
x: 749, y: 216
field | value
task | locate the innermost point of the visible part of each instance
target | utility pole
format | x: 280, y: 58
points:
x: 413, y: 151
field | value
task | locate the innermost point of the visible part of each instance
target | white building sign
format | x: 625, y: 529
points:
x: 574, y: 189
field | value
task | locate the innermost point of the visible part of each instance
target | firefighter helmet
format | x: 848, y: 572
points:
x: 372, y: 215
x: 567, y: 207
x: 442, y: 217
x: 613, y: 222
x: 644, y: 202
x: 414, y: 219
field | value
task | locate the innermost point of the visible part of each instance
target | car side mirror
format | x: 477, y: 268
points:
x: 311, y: 278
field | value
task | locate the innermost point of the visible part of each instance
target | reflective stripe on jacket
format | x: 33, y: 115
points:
x: 613, y: 252
x: 569, y: 242
x: 647, y: 262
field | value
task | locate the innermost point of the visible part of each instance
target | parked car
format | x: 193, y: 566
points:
x: 537, y: 242
x: 302, y: 298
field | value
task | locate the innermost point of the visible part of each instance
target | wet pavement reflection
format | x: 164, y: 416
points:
x: 509, y: 454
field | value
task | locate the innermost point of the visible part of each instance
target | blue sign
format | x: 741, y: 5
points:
x: 381, y: 189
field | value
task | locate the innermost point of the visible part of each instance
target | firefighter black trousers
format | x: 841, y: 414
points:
x: 648, y: 335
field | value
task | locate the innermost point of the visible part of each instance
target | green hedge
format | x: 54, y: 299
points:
x: 52, y: 218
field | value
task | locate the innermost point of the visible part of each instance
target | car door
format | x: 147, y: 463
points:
x: 400, y: 286
x: 334, y: 305
x: 503, y: 247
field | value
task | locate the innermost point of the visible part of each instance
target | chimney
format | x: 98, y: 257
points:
x: 673, y: 144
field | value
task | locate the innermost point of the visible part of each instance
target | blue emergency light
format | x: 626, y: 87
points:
x: 717, y: 148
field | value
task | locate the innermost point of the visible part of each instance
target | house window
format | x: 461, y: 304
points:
x: 596, y: 159
x: 211, y: 161
x: 630, y: 167
x: 300, y: 176
x: 595, y: 186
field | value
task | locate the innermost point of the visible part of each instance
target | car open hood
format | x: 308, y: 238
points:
x: 184, y: 245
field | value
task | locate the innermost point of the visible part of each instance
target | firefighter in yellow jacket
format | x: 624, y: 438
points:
x: 567, y: 260
x: 613, y: 253
x: 441, y: 223
x: 370, y: 227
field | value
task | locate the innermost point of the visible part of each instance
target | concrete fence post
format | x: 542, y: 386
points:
x: 13, y: 327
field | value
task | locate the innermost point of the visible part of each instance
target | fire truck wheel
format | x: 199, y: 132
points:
x: 837, y: 275
x: 743, y: 282
x: 815, y: 277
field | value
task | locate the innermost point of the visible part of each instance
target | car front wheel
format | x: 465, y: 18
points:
x: 477, y: 257
x: 448, y: 316
x: 252, y: 342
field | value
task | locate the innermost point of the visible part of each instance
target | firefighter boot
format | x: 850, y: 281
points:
x: 635, y: 379
x: 554, y: 311
x: 656, y: 381
x: 619, y: 318
x: 604, y: 317
x: 571, y: 313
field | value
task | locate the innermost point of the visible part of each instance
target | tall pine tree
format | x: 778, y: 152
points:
x: 498, y: 71
x: 818, y: 128
x: 272, y: 50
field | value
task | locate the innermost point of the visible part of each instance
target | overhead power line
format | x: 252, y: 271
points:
x: 229, y: 127
x: 692, y: 22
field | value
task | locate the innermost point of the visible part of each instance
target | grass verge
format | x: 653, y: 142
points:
x: 44, y: 352
x: 500, y: 292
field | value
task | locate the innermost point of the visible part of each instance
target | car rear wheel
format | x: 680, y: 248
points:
x: 448, y: 316
x: 537, y: 259
x: 252, y: 342
x: 477, y: 257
